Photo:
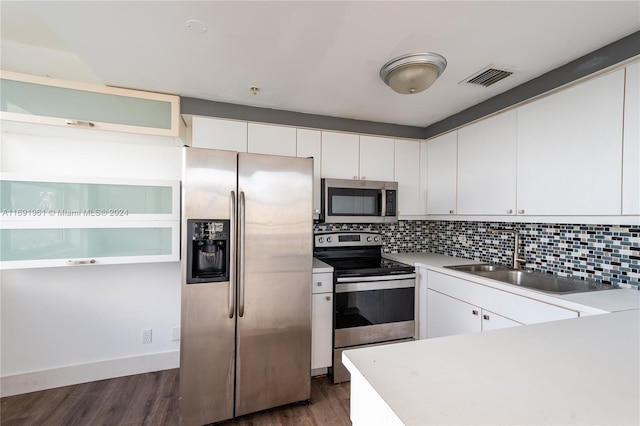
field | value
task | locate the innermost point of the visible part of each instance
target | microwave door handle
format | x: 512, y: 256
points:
x: 383, y: 207
x: 232, y: 253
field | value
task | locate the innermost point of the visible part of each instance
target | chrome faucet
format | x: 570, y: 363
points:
x: 516, y: 244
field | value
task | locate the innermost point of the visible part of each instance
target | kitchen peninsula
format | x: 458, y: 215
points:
x: 570, y: 372
x: 576, y: 371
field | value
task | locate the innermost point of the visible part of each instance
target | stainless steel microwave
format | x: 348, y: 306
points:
x: 359, y: 201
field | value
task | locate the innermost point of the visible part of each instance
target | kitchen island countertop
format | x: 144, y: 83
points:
x: 576, y: 371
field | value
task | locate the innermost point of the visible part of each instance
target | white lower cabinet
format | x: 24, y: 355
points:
x: 448, y: 316
x: 322, y: 321
x: 493, y: 321
x: 456, y: 306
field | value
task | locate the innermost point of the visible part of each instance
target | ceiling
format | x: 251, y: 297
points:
x: 314, y: 57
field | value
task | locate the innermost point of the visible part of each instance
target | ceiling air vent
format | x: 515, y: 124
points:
x: 487, y: 77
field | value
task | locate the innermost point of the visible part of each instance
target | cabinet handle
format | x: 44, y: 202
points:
x: 316, y: 211
x: 510, y: 211
x: 363, y: 177
x: 328, y: 297
x: 474, y: 312
x: 450, y: 211
x: 355, y: 177
x: 319, y: 283
x: 521, y: 211
x: 79, y: 123
x: 81, y: 262
x: 485, y: 317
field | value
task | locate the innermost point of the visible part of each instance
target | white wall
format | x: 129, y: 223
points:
x: 72, y: 324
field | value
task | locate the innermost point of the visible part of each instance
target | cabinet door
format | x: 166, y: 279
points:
x: 340, y: 155
x: 441, y: 174
x: 493, y: 321
x: 321, y: 330
x: 423, y: 178
x: 269, y: 139
x: 631, y: 149
x: 376, y: 158
x: 487, y: 166
x: 569, y: 150
x: 43, y: 100
x: 214, y: 133
x: 421, y: 303
x: 309, y: 144
x: 447, y: 316
x: 42, y: 244
x: 407, y: 174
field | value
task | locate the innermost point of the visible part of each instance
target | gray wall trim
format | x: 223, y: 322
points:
x: 193, y: 106
x: 612, y: 54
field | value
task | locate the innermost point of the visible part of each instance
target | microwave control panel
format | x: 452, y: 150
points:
x: 390, y: 208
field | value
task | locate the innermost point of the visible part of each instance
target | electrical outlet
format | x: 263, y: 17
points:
x: 176, y: 334
x: 146, y: 336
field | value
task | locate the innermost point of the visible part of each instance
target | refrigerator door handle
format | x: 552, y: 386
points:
x: 241, y: 254
x: 232, y: 253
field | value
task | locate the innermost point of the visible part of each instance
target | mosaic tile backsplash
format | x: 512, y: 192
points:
x: 608, y: 254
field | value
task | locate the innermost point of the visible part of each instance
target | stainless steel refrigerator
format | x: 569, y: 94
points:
x: 247, y: 244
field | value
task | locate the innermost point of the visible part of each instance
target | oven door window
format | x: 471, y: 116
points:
x: 362, y: 308
x: 354, y: 202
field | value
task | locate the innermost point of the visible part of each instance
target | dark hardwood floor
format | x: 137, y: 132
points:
x: 152, y: 399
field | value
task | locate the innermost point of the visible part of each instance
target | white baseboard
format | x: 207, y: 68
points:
x: 82, y: 373
x: 319, y: 371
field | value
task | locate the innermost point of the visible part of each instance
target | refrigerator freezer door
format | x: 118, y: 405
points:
x: 274, y: 331
x: 208, y: 330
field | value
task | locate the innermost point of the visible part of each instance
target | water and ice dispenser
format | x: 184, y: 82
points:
x: 207, y: 250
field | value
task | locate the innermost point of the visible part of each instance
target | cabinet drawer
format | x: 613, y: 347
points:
x: 323, y: 282
x: 517, y: 308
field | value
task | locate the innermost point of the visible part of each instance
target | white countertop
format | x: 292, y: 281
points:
x: 595, y: 302
x: 576, y: 371
x: 319, y: 266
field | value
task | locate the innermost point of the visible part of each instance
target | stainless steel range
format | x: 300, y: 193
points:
x: 374, y: 297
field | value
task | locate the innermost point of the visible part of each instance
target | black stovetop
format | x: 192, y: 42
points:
x: 360, y: 262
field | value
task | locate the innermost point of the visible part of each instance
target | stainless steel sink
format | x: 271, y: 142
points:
x: 533, y: 280
x: 485, y: 267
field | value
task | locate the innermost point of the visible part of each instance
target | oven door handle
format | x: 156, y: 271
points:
x: 376, y: 278
x: 374, y: 285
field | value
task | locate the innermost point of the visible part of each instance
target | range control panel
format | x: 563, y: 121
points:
x: 347, y: 239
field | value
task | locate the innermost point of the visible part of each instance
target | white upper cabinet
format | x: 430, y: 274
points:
x: 487, y: 166
x: 376, y: 158
x: 271, y: 139
x: 408, y: 169
x: 570, y: 150
x: 348, y: 156
x: 215, y: 133
x: 340, y: 155
x: 309, y: 144
x: 43, y: 100
x: 631, y: 148
x: 441, y: 174
x: 423, y: 184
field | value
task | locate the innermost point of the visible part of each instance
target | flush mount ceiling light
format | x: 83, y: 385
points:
x: 413, y: 73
